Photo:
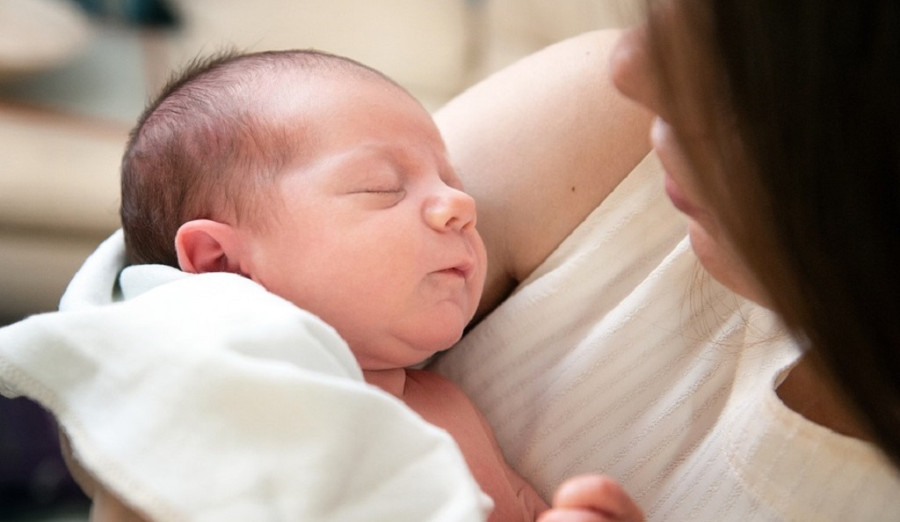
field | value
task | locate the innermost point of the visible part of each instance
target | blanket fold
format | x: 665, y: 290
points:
x: 205, y: 397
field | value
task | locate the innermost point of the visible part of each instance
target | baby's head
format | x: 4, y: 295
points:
x: 320, y: 179
x: 212, y: 141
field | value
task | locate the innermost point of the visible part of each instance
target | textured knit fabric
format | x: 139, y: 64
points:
x: 618, y: 355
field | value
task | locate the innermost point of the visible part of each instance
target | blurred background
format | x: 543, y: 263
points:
x: 75, y: 75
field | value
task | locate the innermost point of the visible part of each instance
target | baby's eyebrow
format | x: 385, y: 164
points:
x: 367, y: 168
x: 405, y: 161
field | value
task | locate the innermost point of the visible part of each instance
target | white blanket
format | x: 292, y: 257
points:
x: 206, y: 398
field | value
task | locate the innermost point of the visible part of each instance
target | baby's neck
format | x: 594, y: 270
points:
x: 392, y: 380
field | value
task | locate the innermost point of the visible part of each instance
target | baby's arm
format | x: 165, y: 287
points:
x: 592, y: 498
x: 585, y: 498
x: 443, y: 404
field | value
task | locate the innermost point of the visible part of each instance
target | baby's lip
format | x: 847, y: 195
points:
x: 462, y: 269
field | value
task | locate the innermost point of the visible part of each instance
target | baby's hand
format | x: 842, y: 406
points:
x: 591, y: 498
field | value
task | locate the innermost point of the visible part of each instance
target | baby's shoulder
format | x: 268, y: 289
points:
x: 428, y: 383
x: 438, y: 399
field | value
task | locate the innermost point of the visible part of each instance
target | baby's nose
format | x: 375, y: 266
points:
x: 450, y: 209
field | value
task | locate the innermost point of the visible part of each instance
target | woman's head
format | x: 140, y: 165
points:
x: 781, y: 132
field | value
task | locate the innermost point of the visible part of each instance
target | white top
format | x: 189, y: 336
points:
x: 612, y: 358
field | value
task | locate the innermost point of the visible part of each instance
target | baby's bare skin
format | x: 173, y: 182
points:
x: 442, y: 403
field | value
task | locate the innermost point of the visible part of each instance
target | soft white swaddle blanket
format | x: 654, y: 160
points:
x: 204, y: 397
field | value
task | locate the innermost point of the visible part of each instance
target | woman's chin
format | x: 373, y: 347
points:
x: 723, y: 264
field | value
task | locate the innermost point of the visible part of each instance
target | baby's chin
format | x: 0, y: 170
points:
x: 409, y: 353
x: 425, y: 356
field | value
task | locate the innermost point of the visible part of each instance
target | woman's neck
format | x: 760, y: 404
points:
x: 809, y: 393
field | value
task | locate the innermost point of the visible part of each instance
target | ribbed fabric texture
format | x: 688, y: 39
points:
x: 618, y: 355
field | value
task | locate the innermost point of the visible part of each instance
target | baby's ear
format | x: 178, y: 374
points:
x: 204, y: 246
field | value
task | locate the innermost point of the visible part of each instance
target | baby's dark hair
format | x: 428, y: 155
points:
x: 202, y: 146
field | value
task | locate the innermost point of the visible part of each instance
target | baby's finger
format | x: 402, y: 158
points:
x: 573, y: 515
x: 598, y: 493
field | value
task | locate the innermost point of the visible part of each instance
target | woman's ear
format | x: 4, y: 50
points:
x: 203, y: 245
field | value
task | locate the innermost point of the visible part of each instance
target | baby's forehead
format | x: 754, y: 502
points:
x: 298, y: 93
x: 309, y: 113
x: 333, y: 70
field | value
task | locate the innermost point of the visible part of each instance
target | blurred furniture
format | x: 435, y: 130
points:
x: 71, y: 86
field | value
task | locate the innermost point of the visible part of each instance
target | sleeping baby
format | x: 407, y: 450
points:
x: 328, y: 185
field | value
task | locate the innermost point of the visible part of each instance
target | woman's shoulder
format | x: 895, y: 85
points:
x: 539, y: 145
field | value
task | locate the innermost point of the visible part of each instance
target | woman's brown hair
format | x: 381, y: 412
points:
x: 804, y: 112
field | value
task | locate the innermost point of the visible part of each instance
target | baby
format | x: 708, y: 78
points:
x: 328, y: 184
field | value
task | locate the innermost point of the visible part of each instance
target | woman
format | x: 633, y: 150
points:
x: 779, y: 141
x: 803, y: 141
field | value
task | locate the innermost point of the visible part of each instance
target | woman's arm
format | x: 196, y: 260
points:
x: 539, y: 145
